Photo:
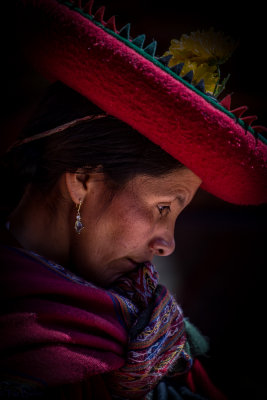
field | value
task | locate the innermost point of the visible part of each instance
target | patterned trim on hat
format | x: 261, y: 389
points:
x: 149, y: 53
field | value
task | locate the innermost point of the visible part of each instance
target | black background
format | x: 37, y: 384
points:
x: 218, y: 268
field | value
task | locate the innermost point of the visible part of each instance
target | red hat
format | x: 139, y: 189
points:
x: 125, y: 79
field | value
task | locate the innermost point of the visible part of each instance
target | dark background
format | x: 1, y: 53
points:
x: 218, y: 268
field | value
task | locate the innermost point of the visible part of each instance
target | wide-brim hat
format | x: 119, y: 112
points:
x: 127, y: 80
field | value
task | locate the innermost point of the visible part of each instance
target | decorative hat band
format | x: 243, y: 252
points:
x: 58, y: 129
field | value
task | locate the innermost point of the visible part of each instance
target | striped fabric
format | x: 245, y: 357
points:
x: 157, y: 334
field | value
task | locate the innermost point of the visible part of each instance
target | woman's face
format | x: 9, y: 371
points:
x: 131, y: 227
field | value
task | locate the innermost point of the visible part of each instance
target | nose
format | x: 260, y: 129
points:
x: 162, y: 247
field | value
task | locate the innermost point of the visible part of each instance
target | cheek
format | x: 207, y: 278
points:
x: 131, y: 224
x: 113, y: 231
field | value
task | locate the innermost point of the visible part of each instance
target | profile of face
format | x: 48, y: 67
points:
x: 130, y: 227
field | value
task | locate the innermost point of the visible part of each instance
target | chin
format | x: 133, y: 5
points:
x: 105, y: 282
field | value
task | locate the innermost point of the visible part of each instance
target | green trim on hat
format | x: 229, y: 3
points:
x: 164, y: 68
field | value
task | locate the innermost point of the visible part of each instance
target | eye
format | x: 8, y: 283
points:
x: 164, y: 210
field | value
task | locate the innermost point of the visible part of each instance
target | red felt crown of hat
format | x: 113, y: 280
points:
x: 127, y: 80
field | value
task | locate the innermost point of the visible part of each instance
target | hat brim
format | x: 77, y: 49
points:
x: 134, y: 86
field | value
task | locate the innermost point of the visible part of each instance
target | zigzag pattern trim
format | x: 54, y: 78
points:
x: 149, y: 52
x: 247, y: 120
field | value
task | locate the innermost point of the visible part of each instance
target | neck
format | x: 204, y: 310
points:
x: 39, y: 228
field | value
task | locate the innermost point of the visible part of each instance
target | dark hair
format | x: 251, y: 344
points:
x: 121, y: 151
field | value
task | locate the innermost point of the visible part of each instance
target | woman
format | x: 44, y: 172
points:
x: 101, y: 218
x: 120, y: 164
x: 84, y: 315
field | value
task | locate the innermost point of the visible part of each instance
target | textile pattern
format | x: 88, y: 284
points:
x: 157, y: 336
x: 58, y: 329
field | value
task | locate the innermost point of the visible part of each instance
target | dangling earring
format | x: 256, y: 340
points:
x: 78, y: 223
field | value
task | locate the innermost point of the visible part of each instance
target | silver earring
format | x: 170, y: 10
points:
x: 78, y: 223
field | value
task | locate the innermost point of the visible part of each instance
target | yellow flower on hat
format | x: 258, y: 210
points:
x: 202, y: 52
x: 202, y: 47
x: 202, y: 71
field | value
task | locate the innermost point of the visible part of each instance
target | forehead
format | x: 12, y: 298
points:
x: 182, y: 179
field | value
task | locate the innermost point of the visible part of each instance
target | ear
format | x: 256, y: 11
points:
x: 77, y: 185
